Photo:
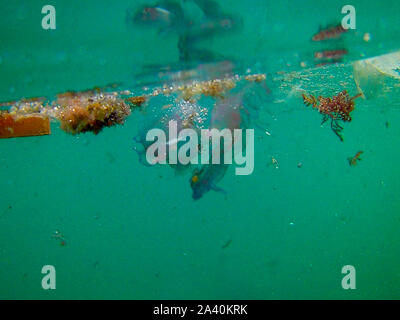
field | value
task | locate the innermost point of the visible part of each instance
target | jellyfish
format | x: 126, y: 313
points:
x: 159, y: 112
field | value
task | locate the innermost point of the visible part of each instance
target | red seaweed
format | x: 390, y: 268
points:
x: 337, y: 109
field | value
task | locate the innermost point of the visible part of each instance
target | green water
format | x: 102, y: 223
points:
x: 134, y: 232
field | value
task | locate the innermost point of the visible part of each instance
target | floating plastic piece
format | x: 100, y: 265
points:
x: 378, y: 76
x: 23, y: 125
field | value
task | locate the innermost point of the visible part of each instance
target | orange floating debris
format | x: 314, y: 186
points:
x: 137, y: 101
x: 353, y: 160
x: 23, y: 126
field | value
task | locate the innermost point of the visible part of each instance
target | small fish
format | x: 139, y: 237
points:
x: 329, y: 33
x: 167, y: 16
x: 170, y: 16
x: 330, y: 54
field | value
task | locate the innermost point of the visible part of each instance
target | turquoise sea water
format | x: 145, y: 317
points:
x: 134, y: 232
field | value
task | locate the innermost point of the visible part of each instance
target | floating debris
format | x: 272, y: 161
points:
x: 82, y: 113
x: 214, y: 88
x: 353, y: 160
x: 137, y: 101
x: 274, y: 163
x: 336, y: 109
x: 26, y: 106
x: 256, y: 77
x: 227, y: 244
x: 167, y: 106
x: 92, y: 110
x: 12, y: 125
x: 367, y: 37
x: 59, y: 236
x: 299, y: 165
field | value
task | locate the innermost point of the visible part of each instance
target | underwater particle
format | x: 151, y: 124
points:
x: 110, y: 157
x: 353, y: 160
x: 195, y: 178
x: 59, y: 236
x: 189, y: 122
x: 387, y: 124
x: 291, y: 223
x: 303, y: 64
x: 274, y: 163
x: 299, y: 165
x: 367, y: 37
x: 4, y: 212
x: 256, y: 77
x: 26, y: 106
x: 342, y: 217
x: 337, y: 109
x: 226, y: 244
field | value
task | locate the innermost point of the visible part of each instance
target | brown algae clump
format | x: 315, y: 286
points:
x: 337, y: 109
x: 137, y: 101
x: 256, y: 77
x: 90, y: 111
x: 214, y: 88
